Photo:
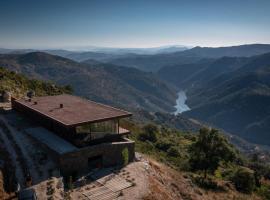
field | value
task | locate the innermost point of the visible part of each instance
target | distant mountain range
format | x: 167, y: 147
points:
x: 106, y: 83
x: 152, y: 59
x: 99, y: 53
x: 155, y: 62
x: 228, y: 87
x: 232, y: 51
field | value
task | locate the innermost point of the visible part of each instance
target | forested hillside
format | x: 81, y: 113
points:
x: 18, y: 85
x: 231, y: 93
x: 119, y: 86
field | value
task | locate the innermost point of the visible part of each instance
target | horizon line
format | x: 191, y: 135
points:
x: 97, y: 47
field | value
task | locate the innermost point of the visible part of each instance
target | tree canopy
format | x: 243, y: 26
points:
x: 210, y: 149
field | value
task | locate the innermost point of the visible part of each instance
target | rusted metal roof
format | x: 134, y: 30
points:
x: 72, y: 110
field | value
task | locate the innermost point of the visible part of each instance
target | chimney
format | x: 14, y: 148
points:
x: 61, y: 105
x: 35, y: 103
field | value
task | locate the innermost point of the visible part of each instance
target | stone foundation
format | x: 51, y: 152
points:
x: 110, y: 153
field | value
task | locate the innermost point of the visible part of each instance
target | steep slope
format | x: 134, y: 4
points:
x: 154, y: 62
x: 237, y: 101
x: 190, y: 76
x: 181, y: 73
x: 119, y: 86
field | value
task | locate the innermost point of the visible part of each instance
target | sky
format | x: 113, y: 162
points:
x: 132, y: 23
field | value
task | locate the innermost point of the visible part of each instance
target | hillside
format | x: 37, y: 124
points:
x: 163, y: 170
x: 119, y: 86
x: 236, y: 100
x: 88, y: 55
x: 19, y: 85
x: 195, y: 75
x: 154, y: 62
x: 178, y: 181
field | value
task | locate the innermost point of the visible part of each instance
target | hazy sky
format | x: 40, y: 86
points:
x: 136, y: 23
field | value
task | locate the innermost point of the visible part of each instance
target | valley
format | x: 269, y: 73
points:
x: 228, y: 93
x: 224, y: 89
x: 134, y: 100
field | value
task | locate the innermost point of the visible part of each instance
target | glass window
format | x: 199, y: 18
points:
x: 99, y: 129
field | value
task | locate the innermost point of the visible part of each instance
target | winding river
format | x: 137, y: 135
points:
x: 181, y: 105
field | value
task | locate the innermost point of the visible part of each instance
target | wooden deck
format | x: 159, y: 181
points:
x: 110, y: 187
x: 101, y: 193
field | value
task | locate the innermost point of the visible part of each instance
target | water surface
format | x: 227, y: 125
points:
x: 181, y: 105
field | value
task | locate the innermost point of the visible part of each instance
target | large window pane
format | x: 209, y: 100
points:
x: 99, y: 129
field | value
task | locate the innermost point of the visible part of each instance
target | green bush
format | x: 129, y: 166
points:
x: 173, y: 151
x: 209, y: 150
x: 125, y: 156
x: 163, y: 145
x: 264, y: 191
x: 244, y: 180
x: 149, y: 133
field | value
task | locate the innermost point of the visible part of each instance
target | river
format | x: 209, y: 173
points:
x: 181, y: 105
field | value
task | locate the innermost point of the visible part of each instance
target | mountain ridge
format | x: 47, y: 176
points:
x: 98, y: 82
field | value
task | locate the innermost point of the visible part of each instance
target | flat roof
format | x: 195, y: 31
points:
x: 51, y: 140
x: 75, y: 110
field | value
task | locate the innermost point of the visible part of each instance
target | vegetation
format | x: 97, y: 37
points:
x: 149, y: 133
x: 209, y: 150
x: 125, y: 156
x: 18, y: 85
x: 244, y: 180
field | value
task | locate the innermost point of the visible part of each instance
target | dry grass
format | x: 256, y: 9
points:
x: 167, y: 183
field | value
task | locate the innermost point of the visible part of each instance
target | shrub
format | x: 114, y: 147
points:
x: 243, y: 180
x: 70, y: 183
x: 210, y: 149
x: 125, y: 156
x: 264, y: 191
x: 173, y: 151
x: 149, y: 133
x: 163, y: 145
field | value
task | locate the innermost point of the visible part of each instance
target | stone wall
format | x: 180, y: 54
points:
x: 76, y: 162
